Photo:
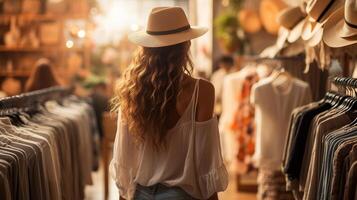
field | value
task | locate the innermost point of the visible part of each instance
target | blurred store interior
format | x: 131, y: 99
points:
x: 85, y: 43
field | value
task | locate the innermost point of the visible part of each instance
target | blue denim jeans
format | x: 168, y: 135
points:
x: 160, y: 192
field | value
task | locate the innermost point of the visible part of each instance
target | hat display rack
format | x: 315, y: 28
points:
x: 326, y: 28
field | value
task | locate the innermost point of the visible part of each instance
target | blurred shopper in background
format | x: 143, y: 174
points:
x: 225, y: 65
x: 42, y: 76
x: 100, y: 102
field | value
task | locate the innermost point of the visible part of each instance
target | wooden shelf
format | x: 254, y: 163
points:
x: 43, y: 17
x: 4, y: 49
x: 15, y: 74
x: 26, y: 49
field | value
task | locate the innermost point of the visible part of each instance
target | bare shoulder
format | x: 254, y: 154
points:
x: 205, y: 100
x: 206, y: 88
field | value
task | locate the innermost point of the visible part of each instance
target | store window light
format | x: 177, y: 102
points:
x: 116, y: 18
x: 225, y: 3
x: 69, y: 44
x: 134, y: 27
x: 81, y: 33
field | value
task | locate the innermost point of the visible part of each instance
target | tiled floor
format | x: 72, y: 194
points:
x: 96, y: 191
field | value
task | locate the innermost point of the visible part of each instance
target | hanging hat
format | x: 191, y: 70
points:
x: 341, y: 29
x: 295, y: 33
x: 273, y: 51
x: 292, y: 19
x: 249, y: 20
x: 269, y: 10
x: 316, y: 38
x: 318, y: 12
x: 269, y: 52
x: 166, y: 26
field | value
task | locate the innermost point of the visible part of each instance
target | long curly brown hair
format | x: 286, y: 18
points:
x: 149, y: 88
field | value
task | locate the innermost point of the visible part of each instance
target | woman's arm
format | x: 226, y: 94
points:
x: 205, y: 101
x: 214, y: 197
x: 205, y: 108
x: 121, y: 198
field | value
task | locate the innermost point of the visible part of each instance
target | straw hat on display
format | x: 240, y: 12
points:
x: 316, y: 38
x: 269, y: 10
x: 270, y: 52
x: 341, y: 29
x: 249, y: 20
x: 288, y: 19
x: 166, y: 26
x: 318, y: 12
x: 274, y: 50
x: 292, y: 20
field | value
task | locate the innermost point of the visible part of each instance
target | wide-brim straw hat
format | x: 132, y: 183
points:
x: 249, y: 20
x: 318, y: 12
x: 291, y: 20
x: 316, y: 38
x: 295, y: 33
x: 274, y: 50
x: 341, y: 28
x: 268, y: 11
x: 270, y: 52
x: 166, y: 26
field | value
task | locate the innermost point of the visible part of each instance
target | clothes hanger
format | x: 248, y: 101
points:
x: 334, y: 98
x: 346, y: 104
x: 354, y: 95
x: 351, y: 102
x: 15, y: 120
x: 281, y: 72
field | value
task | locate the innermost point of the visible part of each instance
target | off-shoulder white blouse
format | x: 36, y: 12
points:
x: 191, y: 161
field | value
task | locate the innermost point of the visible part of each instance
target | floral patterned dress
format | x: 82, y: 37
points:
x: 243, y: 126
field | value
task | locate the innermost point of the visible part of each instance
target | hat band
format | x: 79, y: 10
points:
x: 297, y: 21
x: 329, y: 5
x: 350, y: 24
x: 169, y: 31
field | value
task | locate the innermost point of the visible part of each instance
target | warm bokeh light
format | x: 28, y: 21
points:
x: 119, y: 17
x: 134, y: 27
x: 81, y: 33
x: 69, y: 44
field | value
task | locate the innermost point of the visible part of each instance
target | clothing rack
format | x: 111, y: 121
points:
x: 32, y: 99
x: 275, y: 62
x: 256, y: 58
x: 49, y: 149
x: 345, y: 84
x: 345, y: 81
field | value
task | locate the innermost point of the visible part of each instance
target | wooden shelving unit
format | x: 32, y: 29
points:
x: 15, y: 74
x: 4, y: 49
x: 40, y: 17
x: 58, y: 52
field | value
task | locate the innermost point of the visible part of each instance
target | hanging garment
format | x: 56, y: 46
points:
x: 237, y: 129
x: 273, y: 110
x: 274, y: 107
x: 243, y: 125
x: 271, y: 185
x: 321, y: 149
x: 217, y: 81
x: 47, y: 154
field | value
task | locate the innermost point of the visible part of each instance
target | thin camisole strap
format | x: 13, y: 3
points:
x: 195, y: 100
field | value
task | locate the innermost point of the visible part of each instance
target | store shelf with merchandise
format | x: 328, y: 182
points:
x: 4, y: 49
x: 18, y: 74
x: 42, y: 17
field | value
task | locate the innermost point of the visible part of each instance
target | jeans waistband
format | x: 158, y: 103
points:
x: 157, y: 188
